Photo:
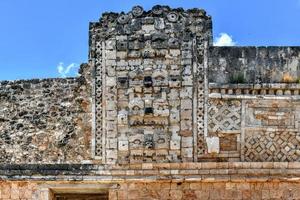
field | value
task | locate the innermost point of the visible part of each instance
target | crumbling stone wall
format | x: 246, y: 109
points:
x: 254, y: 64
x: 46, y: 121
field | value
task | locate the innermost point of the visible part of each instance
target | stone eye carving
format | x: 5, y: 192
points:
x: 123, y: 19
x: 122, y: 82
x: 137, y: 142
x: 122, y: 45
x: 148, y: 81
x: 173, y: 43
x: 137, y: 11
x: 161, y: 141
x: 157, y: 10
x: 123, y: 117
x: 172, y: 17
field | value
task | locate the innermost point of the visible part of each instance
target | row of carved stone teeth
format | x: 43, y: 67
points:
x: 137, y: 11
x: 256, y: 91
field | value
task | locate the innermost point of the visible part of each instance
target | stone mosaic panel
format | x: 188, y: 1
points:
x: 224, y: 115
x: 201, y: 99
x: 145, y: 77
x: 272, y: 131
x: 272, y: 146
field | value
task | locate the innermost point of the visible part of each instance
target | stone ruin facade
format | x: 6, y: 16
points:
x: 157, y: 113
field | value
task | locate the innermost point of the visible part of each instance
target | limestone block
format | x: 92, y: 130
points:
x: 174, y: 81
x: 186, y: 54
x: 121, y: 63
x: 187, y: 152
x: 148, y: 28
x: 148, y: 20
x: 148, y: 53
x: 173, y: 43
x: 186, y: 61
x: 112, y: 143
x: 186, y: 104
x: 136, y: 141
x: 174, y: 116
x: 110, y: 44
x: 213, y: 144
x: 175, y: 144
x: 186, y: 115
x: 112, y: 154
x: 136, y: 156
x: 110, y: 62
x: 160, y: 78
x: 111, y: 115
x: 187, y: 142
x: 111, y: 106
x: 187, y: 81
x: 123, y: 145
x: 111, y: 81
x: 173, y: 94
x: 161, y: 141
x: 186, y: 92
x: 123, y: 117
x: 111, y: 125
x: 187, y: 45
x: 135, y: 62
x: 174, y: 103
x: 159, y: 23
x: 111, y: 54
x: 161, y: 108
x: 187, y: 70
x: 122, y: 45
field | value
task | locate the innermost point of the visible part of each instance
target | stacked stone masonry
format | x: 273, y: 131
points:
x: 157, y: 113
x: 146, y: 73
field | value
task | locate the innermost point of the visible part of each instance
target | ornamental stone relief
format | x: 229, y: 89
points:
x: 145, y: 70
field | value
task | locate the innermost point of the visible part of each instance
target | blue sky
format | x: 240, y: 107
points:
x: 49, y: 38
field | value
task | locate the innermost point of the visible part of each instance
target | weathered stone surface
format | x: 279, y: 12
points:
x: 255, y: 64
x: 152, y: 83
x: 158, y: 113
x: 46, y: 121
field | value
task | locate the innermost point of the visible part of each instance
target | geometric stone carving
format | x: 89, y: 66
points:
x: 224, y: 115
x: 145, y: 91
x: 272, y: 146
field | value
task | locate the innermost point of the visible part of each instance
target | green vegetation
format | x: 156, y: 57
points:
x: 237, y: 78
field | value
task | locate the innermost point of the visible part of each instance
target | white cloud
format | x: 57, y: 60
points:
x: 224, y: 40
x: 69, y: 70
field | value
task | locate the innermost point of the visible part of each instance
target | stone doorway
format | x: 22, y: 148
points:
x: 74, y: 196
